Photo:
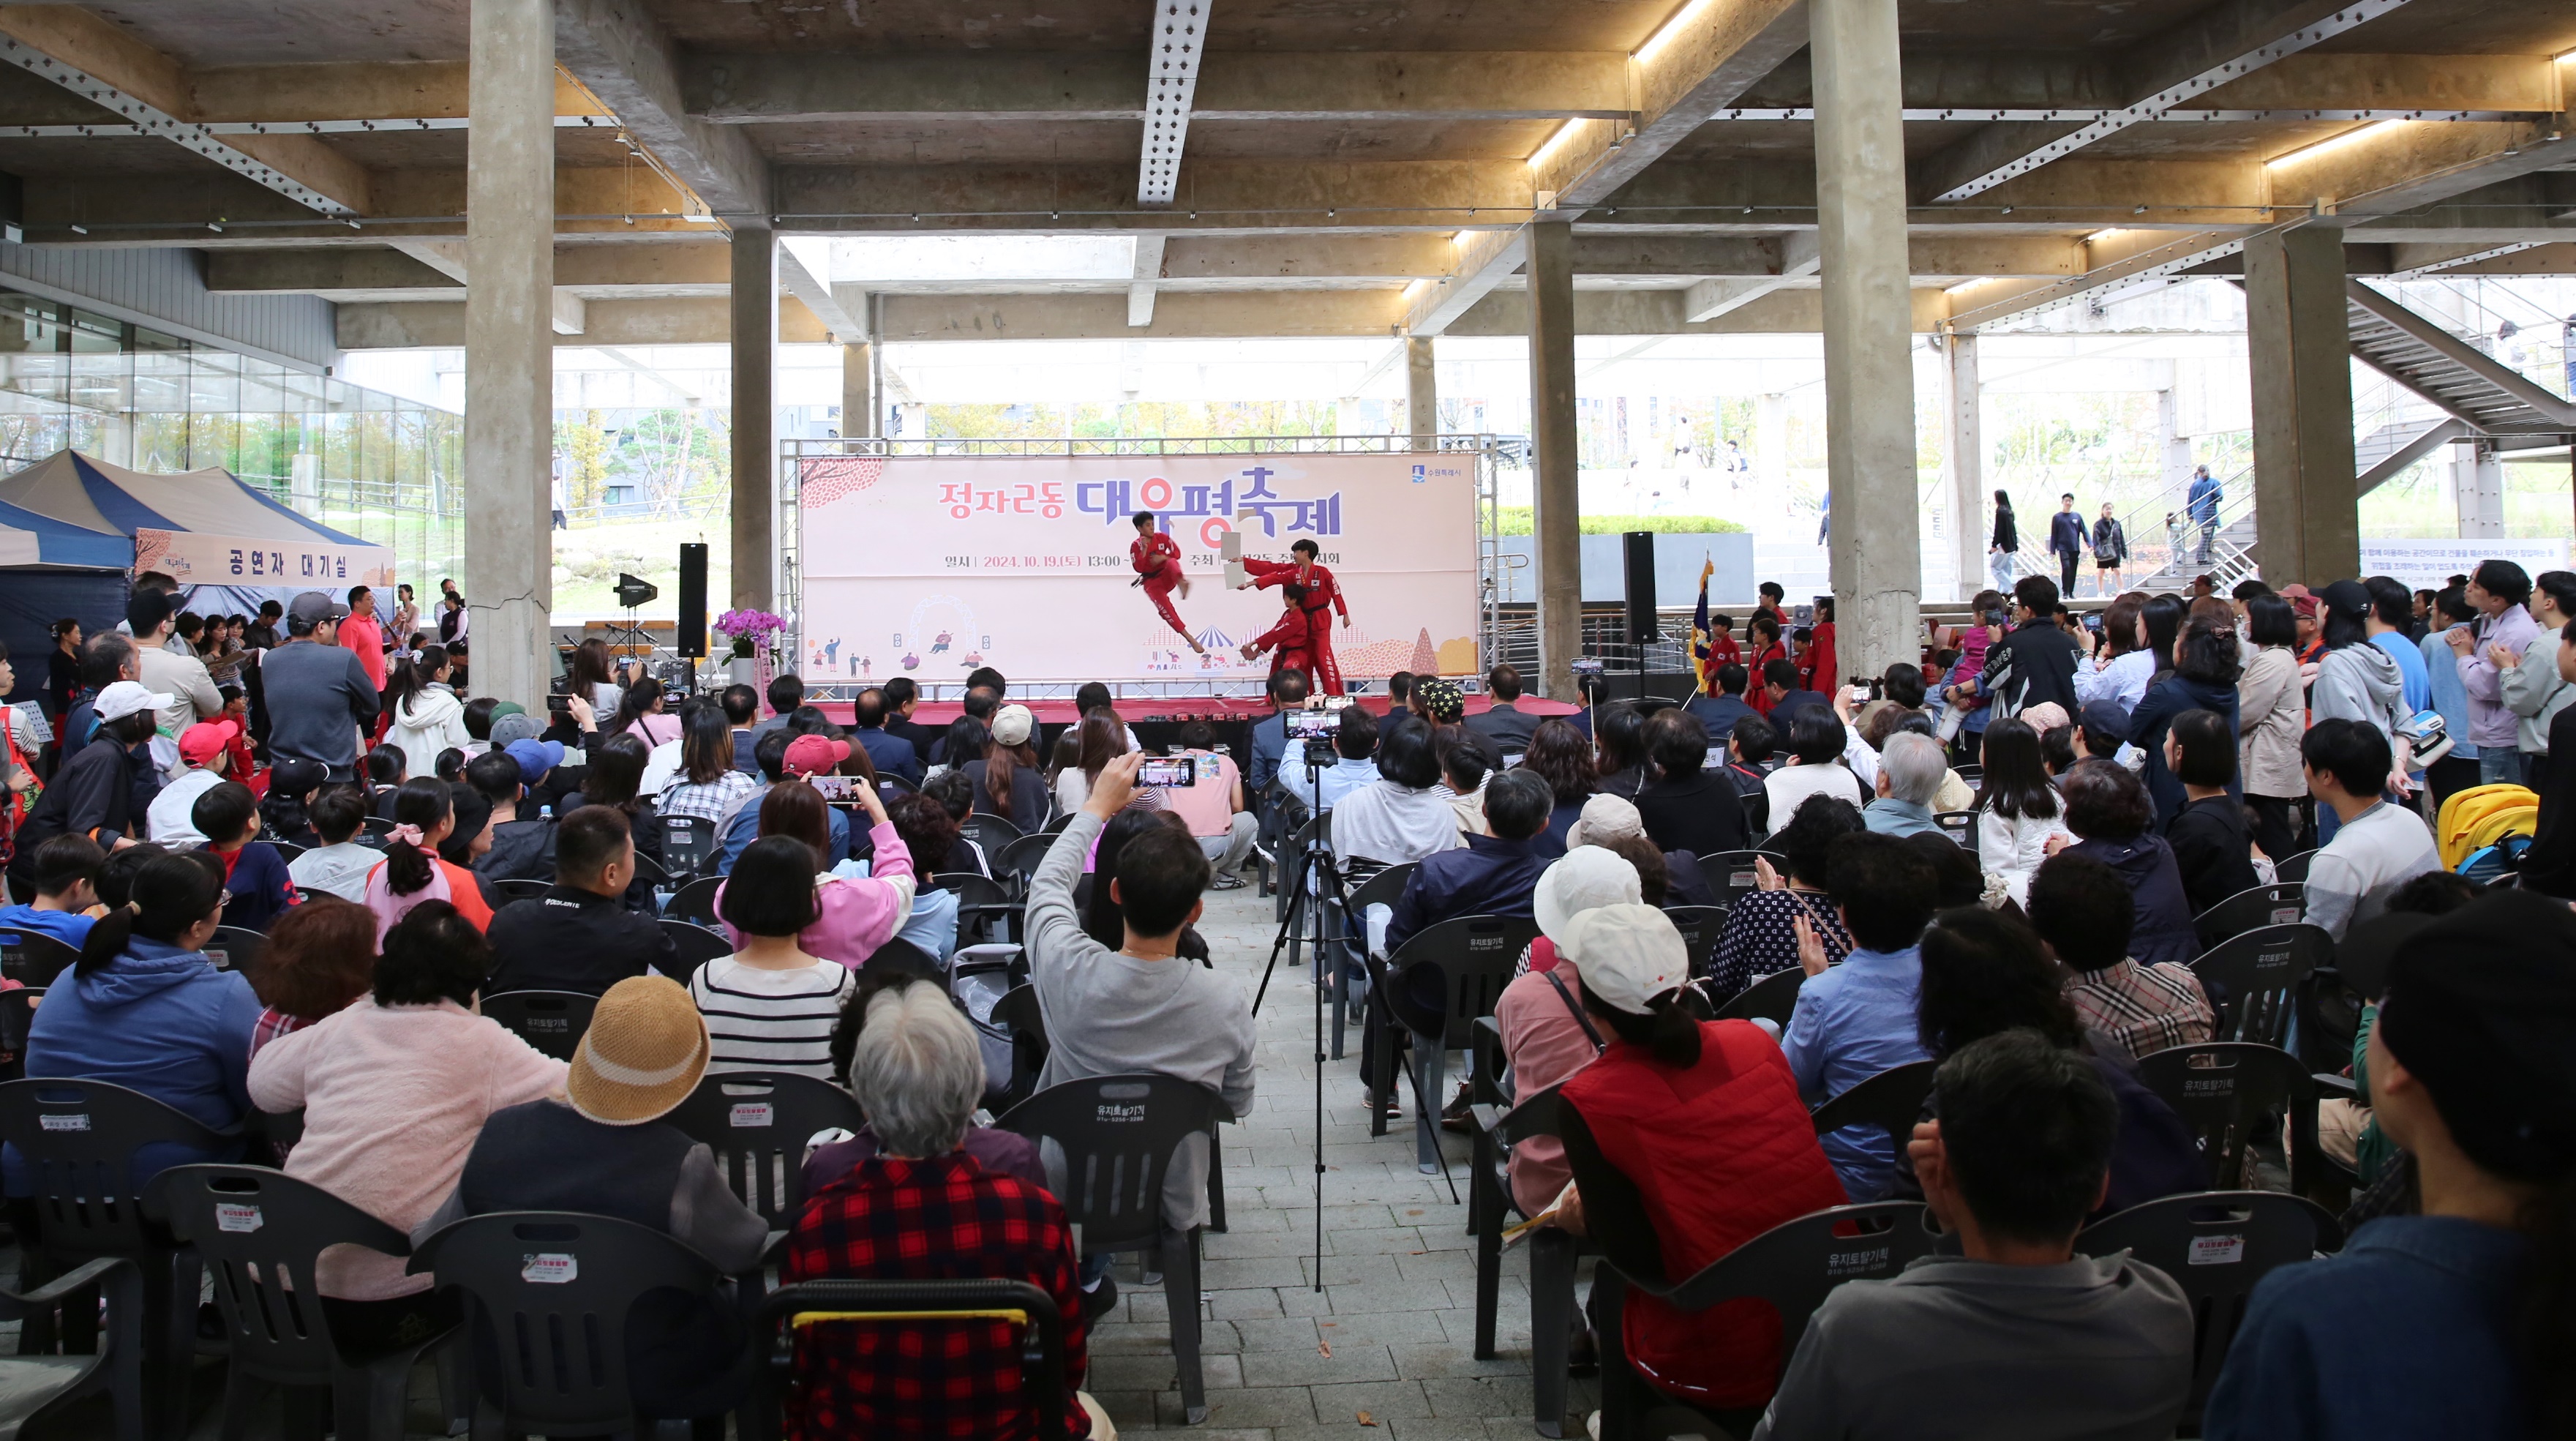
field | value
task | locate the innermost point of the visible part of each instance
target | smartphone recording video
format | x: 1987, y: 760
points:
x: 1180, y: 772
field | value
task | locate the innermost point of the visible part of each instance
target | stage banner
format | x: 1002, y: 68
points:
x: 2426, y: 564
x: 194, y: 558
x: 931, y: 566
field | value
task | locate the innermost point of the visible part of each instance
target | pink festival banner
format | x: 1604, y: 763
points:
x: 931, y: 566
x: 196, y: 558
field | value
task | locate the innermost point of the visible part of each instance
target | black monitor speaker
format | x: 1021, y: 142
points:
x: 1637, y: 554
x: 692, y: 638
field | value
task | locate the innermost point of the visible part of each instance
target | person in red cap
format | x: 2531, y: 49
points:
x: 206, y: 762
x: 1157, y: 559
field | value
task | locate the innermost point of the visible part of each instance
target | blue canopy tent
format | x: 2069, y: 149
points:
x: 54, y: 569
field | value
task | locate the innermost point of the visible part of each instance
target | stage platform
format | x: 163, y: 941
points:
x: 1137, y: 710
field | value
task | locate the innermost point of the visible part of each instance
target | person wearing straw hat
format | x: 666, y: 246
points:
x: 598, y: 1145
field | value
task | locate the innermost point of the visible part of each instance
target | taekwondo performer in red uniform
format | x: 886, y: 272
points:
x: 1322, y: 591
x: 1157, y: 559
x: 1292, y: 636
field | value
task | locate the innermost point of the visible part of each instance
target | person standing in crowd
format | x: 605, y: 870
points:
x: 2378, y: 846
x: 363, y: 636
x: 2359, y: 681
x: 92, y: 794
x: 319, y: 697
x: 2452, y: 1322
x: 2013, y: 1166
x: 1818, y: 669
x: 427, y: 715
x: 2034, y: 664
x: 2110, y: 551
x: 2499, y: 591
x: 177, y: 674
x: 2005, y: 544
x: 2202, y: 503
x: 2066, y: 541
x: 2529, y: 683
x: 2271, y: 712
x: 2206, y: 662
x: 62, y: 670
x: 2549, y: 866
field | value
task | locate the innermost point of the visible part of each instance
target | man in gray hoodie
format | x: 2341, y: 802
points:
x: 2357, y: 680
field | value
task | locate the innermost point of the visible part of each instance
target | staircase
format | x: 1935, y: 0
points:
x: 2448, y: 371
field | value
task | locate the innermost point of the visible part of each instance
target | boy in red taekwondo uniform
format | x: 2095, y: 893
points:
x: 1322, y: 591
x: 1292, y: 635
x: 1157, y: 559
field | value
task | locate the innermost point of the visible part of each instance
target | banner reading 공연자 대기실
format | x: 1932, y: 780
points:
x: 931, y: 566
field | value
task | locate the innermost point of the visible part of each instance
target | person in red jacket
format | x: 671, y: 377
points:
x: 1703, y: 1119
x: 1157, y: 559
x: 1762, y: 646
x: 1322, y: 593
x: 1291, y: 636
x: 1816, y: 670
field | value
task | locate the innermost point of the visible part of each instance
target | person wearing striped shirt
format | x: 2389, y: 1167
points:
x: 770, y: 1006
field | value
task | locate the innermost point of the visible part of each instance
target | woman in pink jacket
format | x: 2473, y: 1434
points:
x: 394, y: 1090
x: 855, y: 914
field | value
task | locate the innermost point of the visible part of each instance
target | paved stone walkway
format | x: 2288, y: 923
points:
x: 1396, y: 1310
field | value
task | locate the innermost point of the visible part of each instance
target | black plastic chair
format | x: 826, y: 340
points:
x: 689, y: 844
x: 33, y: 958
x: 1891, y: 1101
x: 1552, y: 1253
x: 1383, y: 889
x: 560, y: 1287
x: 513, y: 890
x: 17, y: 1014
x: 1701, y: 926
x: 1960, y: 826
x: 2215, y: 1245
x: 984, y: 905
x: 1730, y: 874
x: 551, y: 1021
x: 1119, y: 1135
x: 76, y: 1141
x: 1435, y: 986
x: 235, y: 949
x: 1771, y: 998
x: 261, y: 1233
x: 651, y: 872
x: 2279, y: 904
x: 2293, y: 869
x: 902, y: 955
x: 1019, y: 858
x: 1038, y: 1349
x: 2253, y: 980
x: 36, y: 1388
x: 696, y: 944
x: 376, y: 825
x: 1018, y: 1012
x: 287, y: 851
x: 695, y: 902
x: 757, y: 1123
x: 2230, y: 1094
x: 995, y: 834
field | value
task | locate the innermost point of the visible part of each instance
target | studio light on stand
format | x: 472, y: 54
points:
x: 634, y: 591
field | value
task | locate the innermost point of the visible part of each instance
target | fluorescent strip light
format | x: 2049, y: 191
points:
x: 1671, y: 30
x: 2334, y: 142
x: 1564, y: 134
x: 2098, y: 236
x: 1961, y: 286
x: 1462, y: 237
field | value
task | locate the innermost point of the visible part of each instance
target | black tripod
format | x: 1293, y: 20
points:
x: 1305, y: 920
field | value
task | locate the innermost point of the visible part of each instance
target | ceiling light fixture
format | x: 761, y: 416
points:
x: 1671, y: 30
x: 1962, y: 285
x: 2099, y: 236
x: 2310, y: 152
x: 1564, y: 134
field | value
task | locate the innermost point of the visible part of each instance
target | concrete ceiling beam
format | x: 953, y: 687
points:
x: 1662, y: 312
x: 682, y: 321
x: 1236, y: 196
x: 2182, y: 66
x: 401, y: 90
x: 2400, y: 167
x: 624, y: 56
x: 1982, y: 80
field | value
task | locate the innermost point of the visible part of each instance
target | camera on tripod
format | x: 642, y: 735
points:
x: 1315, y: 728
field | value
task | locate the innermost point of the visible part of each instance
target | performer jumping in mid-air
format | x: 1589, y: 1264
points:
x: 1291, y: 635
x: 1157, y: 559
x: 1322, y: 591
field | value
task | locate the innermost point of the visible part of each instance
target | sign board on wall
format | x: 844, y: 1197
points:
x: 933, y: 565
x: 194, y: 558
x: 2426, y: 564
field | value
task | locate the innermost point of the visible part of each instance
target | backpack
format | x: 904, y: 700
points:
x: 2477, y: 816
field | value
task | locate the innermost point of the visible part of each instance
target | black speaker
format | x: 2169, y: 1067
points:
x: 692, y: 641
x: 1637, y: 554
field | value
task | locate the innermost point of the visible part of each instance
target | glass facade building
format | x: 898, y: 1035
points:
x: 382, y: 468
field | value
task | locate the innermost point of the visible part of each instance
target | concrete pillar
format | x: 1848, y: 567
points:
x: 1868, y: 320
x: 2306, y: 516
x: 509, y: 347
x: 1554, y: 456
x: 755, y: 416
x: 2477, y: 483
x: 1771, y: 439
x: 1963, y: 457
x: 858, y: 391
x: 2177, y: 461
x: 1422, y: 389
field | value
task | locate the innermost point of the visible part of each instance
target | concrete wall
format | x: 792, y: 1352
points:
x: 1677, y: 562
x: 165, y: 289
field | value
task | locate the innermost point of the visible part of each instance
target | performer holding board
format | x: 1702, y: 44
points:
x: 1321, y: 592
x: 1157, y: 559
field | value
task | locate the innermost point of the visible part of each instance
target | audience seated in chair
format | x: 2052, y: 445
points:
x: 523, y: 828
x: 2018, y: 810
x: 580, y: 936
x: 2108, y: 812
x: 2081, y: 909
x: 770, y: 754
x: 1561, y: 756
x: 1140, y: 1007
x: 338, y: 866
x: 256, y: 885
x: 65, y: 874
x: 854, y: 914
x: 1704, y: 1119
x: 1355, y: 748
x: 412, y: 872
x: 1547, y: 1037
x: 1608, y: 818
x: 2213, y: 846
x: 1761, y: 936
x: 2017, y: 1336
x: 923, y: 1208
x: 1856, y: 1018
x: 1910, y: 773
x: 1494, y: 876
x: 1464, y: 773
x: 147, y: 1010
x: 319, y: 960
x: 2452, y: 1322
x: 1000, y: 1152
x: 394, y: 1092
x: 2380, y: 846
x: 1401, y: 815
x: 597, y: 1145
x: 771, y: 1006
x: 1103, y: 918
x: 930, y: 838
x: 1687, y: 807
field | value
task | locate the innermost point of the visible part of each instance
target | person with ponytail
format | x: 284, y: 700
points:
x: 2458, y: 1321
x: 427, y: 715
x: 146, y: 1009
x: 1704, y: 1121
x: 412, y: 870
x: 640, y: 714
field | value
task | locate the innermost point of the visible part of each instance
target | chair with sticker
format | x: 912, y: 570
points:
x: 757, y: 1124
x: 1034, y: 1338
x: 551, y: 1021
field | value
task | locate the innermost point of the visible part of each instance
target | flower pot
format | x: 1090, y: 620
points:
x: 741, y: 669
